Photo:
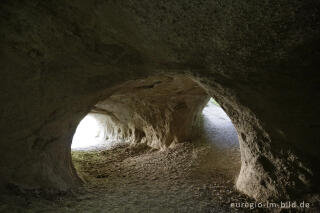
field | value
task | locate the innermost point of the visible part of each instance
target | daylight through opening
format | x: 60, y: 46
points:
x: 162, y: 131
x: 218, y: 128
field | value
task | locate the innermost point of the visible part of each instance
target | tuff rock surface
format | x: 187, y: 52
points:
x: 258, y: 59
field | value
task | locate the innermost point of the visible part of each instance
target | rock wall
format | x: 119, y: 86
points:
x: 159, y: 111
x: 259, y: 60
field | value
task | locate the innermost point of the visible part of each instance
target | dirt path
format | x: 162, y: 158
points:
x: 143, y: 180
x: 187, y: 178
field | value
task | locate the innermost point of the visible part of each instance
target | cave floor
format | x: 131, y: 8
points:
x: 185, y: 178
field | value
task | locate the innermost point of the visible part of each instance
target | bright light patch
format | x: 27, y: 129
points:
x: 89, y: 133
x: 218, y: 127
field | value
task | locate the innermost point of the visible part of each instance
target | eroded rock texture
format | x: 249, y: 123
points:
x: 258, y: 59
x: 158, y: 111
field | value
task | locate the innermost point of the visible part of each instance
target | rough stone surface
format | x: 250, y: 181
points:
x: 158, y: 111
x: 258, y: 59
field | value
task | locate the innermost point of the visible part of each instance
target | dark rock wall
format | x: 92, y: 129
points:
x: 259, y: 59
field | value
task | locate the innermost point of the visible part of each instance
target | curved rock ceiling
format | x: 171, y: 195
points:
x: 258, y: 59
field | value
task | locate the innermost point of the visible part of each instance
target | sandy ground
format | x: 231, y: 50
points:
x: 186, y: 178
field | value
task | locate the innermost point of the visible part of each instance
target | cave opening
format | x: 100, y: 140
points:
x: 218, y: 128
x: 88, y: 133
x: 94, y: 132
x: 169, y: 140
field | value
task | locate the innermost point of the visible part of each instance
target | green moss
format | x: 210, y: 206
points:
x: 214, y: 102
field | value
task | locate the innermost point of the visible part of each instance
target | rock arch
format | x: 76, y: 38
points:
x: 259, y: 60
